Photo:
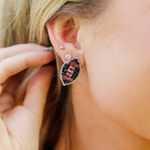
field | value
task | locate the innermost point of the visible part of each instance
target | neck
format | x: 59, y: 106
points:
x: 92, y: 129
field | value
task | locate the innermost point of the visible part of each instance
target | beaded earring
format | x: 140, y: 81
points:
x: 70, y: 70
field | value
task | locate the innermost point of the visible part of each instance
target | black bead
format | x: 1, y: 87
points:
x: 66, y: 81
x: 64, y: 74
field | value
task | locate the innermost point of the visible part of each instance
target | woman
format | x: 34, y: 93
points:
x: 106, y: 106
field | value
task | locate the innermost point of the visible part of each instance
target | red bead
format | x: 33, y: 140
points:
x: 67, y: 76
x: 71, y: 69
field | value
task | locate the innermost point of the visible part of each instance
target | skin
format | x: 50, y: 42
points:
x: 19, y: 125
x: 111, y: 97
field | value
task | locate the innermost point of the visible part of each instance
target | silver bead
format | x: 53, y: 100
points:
x: 68, y: 56
x: 62, y: 47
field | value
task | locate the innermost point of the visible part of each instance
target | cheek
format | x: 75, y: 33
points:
x: 119, y: 75
x: 120, y: 83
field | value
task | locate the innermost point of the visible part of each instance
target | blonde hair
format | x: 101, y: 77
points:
x: 23, y: 21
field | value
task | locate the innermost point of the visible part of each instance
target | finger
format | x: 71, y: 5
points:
x: 12, y: 65
x: 19, y: 49
x: 37, y: 90
x: 4, y: 135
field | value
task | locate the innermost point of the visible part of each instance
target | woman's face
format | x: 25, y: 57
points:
x: 117, y: 57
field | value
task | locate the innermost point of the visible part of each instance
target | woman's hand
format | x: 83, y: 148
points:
x: 20, y: 125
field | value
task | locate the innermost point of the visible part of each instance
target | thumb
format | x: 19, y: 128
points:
x: 37, y: 91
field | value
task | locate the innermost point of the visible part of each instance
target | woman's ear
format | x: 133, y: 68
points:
x: 64, y: 31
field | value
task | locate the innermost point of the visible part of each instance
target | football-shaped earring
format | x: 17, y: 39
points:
x: 70, y: 70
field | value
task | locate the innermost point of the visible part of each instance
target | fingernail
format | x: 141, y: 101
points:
x: 51, y: 49
x: 47, y: 50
